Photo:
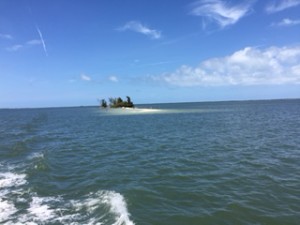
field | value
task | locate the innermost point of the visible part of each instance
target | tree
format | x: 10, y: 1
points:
x: 119, y: 101
x: 129, y: 102
x: 103, y: 103
x: 112, y: 102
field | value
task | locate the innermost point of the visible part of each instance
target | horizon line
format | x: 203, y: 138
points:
x: 155, y: 103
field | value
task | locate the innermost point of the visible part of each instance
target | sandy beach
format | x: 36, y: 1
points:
x: 125, y: 111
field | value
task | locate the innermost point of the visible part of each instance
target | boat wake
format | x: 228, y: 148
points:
x: 20, y: 206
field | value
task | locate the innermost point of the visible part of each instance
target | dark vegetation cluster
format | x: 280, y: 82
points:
x: 117, y: 103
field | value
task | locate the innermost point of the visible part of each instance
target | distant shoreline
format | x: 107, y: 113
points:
x: 159, y: 103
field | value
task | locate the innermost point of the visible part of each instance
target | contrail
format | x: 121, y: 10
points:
x: 42, y: 40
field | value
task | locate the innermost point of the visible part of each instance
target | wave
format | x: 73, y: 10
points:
x: 112, y: 202
x: 20, y: 206
x: 118, y: 207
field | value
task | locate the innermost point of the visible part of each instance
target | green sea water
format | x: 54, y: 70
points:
x: 163, y: 164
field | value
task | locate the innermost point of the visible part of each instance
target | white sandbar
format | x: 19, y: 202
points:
x: 125, y: 111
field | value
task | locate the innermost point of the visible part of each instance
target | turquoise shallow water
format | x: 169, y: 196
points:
x: 188, y: 163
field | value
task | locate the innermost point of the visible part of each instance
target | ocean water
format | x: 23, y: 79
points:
x: 164, y: 164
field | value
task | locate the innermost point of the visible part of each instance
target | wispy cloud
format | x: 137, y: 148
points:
x: 6, y: 36
x: 279, y: 5
x: 136, y: 26
x: 220, y: 12
x: 34, y: 42
x: 287, y: 22
x: 14, y: 48
x: 42, y: 39
x: 113, y: 79
x: 85, y: 77
x: 248, y: 66
x: 28, y: 44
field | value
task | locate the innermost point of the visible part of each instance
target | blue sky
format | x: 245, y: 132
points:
x: 71, y: 53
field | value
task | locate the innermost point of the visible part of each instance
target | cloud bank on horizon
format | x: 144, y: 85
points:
x: 249, y: 66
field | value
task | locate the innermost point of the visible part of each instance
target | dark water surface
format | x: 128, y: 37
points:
x: 189, y: 163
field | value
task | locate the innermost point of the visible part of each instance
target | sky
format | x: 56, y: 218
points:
x: 72, y: 53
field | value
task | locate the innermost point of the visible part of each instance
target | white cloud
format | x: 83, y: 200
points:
x: 220, y: 12
x: 249, y: 66
x: 6, y: 36
x: 85, y: 77
x: 28, y: 44
x: 136, y: 26
x: 287, y: 22
x: 34, y: 42
x: 113, y: 79
x: 279, y: 5
x: 14, y: 48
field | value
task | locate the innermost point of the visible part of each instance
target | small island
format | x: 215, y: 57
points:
x: 117, y: 103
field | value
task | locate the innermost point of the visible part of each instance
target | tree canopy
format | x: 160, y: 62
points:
x: 117, y: 103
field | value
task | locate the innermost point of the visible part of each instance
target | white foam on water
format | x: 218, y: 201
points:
x: 9, y: 179
x: 40, y: 210
x: 9, y: 182
x: 6, y: 210
x: 43, y: 210
x: 114, y: 201
x: 11, y: 192
x: 91, y: 203
x: 118, y: 207
x: 21, y: 223
x: 36, y: 155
